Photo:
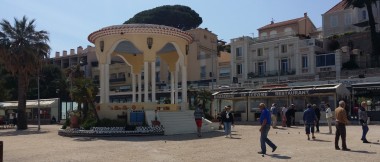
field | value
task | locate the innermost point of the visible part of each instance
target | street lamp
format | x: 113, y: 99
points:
x: 38, y: 105
x: 278, y: 63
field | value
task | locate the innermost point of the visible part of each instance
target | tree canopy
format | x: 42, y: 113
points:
x: 178, y: 16
x: 22, y: 51
x: 372, y: 24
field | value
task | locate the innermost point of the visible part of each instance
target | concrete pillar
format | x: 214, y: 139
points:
x: 153, y: 81
x: 176, y: 84
x: 139, y: 86
x: 146, y: 81
x: 184, y: 88
x: 172, y: 87
x: 133, y: 87
x: 101, y: 83
x: 104, y: 83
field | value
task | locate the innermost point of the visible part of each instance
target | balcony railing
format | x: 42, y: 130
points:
x: 117, y: 80
x: 271, y: 74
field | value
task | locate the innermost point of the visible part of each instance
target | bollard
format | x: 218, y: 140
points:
x: 1, y: 151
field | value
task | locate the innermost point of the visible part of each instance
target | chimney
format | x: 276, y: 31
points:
x: 56, y: 54
x: 80, y: 50
x: 305, y: 14
x: 64, y: 53
x: 72, y: 52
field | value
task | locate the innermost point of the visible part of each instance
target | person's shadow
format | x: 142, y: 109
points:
x: 278, y: 156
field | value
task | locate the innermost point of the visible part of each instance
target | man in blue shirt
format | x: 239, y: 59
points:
x: 265, y: 121
x: 309, y: 119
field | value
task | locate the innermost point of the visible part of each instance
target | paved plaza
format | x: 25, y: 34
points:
x: 46, y: 145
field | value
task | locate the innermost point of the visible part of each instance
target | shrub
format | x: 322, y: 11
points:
x: 89, y: 123
x: 111, y: 123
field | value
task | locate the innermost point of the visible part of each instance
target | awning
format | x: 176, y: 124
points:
x: 29, y: 103
x: 283, y: 91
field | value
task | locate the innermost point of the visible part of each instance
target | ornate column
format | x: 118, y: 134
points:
x: 107, y: 82
x: 104, y: 83
x: 146, y: 81
x: 153, y: 81
x: 101, y: 84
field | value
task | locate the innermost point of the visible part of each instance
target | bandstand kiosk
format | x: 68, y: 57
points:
x: 139, y: 45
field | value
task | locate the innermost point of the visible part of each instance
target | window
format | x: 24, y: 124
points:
x: 202, y: 55
x: 113, y: 76
x: 325, y: 60
x: 273, y: 33
x: 169, y: 76
x: 261, y: 68
x: 334, y: 21
x: 224, y: 72
x: 264, y: 35
x: 121, y: 75
x: 347, y: 19
x: 239, y: 69
x: 284, y: 48
x: 364, y: 15
x: 304, y: 61
x: 158, y: 62
x: 158, y: 76
x: 203, y: 72
x: 259, y: 52
x: 284, y: 65
x: 239, y: 52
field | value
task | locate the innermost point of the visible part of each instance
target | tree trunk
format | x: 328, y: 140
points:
x: 21, y: 110
x: 375, y: 49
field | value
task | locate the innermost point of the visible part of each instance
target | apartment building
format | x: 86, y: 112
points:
x: 283, y: 52
x: 339, y: 19
x: 348, y: 29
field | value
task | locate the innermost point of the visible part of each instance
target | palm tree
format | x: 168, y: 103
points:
x: 83, y: 91
x: 372, y: 24
x: 22, y: 51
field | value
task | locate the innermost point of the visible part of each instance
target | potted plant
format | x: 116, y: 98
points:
x: 74, y: 118
x: 155, y: 122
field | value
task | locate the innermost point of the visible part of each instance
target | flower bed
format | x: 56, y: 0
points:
x: 112, y: 131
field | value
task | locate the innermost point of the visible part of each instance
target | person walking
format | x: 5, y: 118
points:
x: 309, y: 118
x: 274, y: 111
x: 318, y: 114
x: 227, y: 120
x: 290, y: 114
x: 265, y: 121
x: 341, y: 122
x: 363, y: 117
x: 198, y: 115
x: 329, y: 116
x: 283, y: 115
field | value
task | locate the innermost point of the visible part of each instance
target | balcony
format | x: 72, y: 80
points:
x: 117, y: 80
x: 252, y: 75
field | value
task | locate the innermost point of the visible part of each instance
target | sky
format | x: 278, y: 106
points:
x: 69, y: 22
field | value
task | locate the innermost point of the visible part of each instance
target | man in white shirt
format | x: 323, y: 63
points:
x: 329, y: 116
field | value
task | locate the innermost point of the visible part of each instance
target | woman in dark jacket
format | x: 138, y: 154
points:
x: 227, y: 120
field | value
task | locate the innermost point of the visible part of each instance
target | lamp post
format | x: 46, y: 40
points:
x: 38, y: 105
x: 278, y: 63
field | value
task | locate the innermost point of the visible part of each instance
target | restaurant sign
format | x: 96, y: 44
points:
x: 264, y: 94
